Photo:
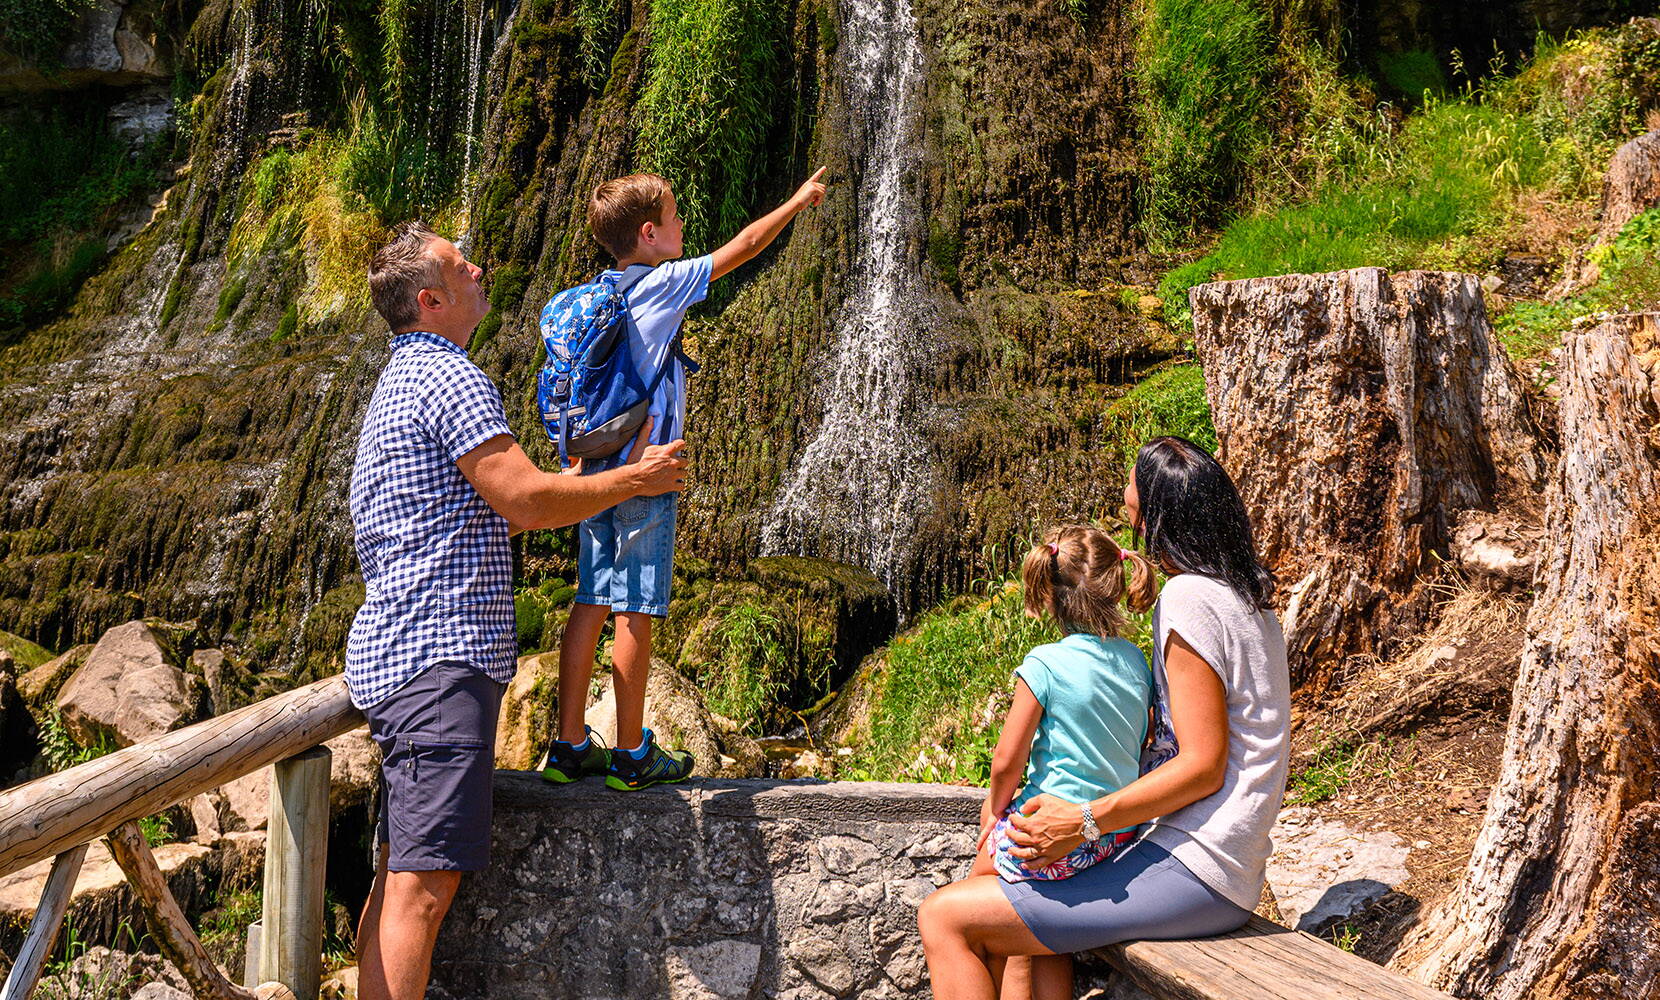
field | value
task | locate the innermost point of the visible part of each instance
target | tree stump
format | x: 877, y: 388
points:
x: 1560, y: 899
x: 1359, y: 412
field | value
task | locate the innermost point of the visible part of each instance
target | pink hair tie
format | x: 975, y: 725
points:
x: 1123, y: 555
x: 1054, y: 549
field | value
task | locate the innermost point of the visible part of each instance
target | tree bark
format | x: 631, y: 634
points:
x: 1359, y: 412
x: 1561, y: 898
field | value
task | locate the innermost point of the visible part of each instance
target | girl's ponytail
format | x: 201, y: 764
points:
x: 1078, y: 575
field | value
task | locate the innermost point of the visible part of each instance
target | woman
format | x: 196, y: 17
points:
x: 1213, y: 776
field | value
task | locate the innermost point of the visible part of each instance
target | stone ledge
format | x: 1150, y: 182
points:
x: 861, y: 801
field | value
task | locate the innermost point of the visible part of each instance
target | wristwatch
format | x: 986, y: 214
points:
x: 1092, y: 833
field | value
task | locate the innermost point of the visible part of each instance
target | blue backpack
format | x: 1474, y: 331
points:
x: 590, y: 392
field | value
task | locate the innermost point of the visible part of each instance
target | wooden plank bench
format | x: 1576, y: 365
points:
x: 1260, y: 961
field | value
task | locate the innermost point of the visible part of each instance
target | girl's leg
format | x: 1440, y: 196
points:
x: 964, y: 926
x: 1051, y: 977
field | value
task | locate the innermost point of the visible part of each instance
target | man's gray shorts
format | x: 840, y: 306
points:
x: 437, y: 737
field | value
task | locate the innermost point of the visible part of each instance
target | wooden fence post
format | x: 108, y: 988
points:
x: 43, y: 931
x: 296, y: 856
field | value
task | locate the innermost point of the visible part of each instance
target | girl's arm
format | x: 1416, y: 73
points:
x: 1008, y: 761
x: 1051, y: 828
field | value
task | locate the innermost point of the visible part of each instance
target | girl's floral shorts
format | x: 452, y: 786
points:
x: 1010, y: 869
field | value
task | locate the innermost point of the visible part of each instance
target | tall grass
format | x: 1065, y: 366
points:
x: 1438, y: 190
x: 942, y: 690
x: 1172, y: 401
x: 708, y: 105
x: 1201, y: 68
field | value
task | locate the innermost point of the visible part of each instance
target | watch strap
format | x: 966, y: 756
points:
x: 1092, y: 833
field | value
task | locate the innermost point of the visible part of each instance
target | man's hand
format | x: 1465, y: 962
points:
x: 812, y: 192
x: 659, y: 469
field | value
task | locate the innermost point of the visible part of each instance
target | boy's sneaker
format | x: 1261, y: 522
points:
x: 657, y: 767
x: 564, y: 763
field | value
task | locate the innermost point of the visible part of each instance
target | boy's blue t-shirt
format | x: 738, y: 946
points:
x: 1095, y: 693
x: 657, y: 304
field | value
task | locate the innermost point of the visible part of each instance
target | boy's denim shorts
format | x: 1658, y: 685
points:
x: 626, y: 556
x: 437, y: 737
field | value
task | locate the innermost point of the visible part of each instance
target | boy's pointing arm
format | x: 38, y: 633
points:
x: 755, y: 236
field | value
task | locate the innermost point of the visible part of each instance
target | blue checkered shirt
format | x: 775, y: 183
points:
x: 437, y: 570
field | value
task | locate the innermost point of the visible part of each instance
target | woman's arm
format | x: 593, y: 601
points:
x: 1008, y: 761
x: 1051, y: 828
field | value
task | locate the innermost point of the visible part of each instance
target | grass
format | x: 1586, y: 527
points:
x: 942, y: 689
x: 708, y: 105
x: 1201, y: 68
x: 64, y: 980
x: 752, y: 671
x: 1337, y: 763
x: 224, y: 929
x: 1444, y: 188
x: 1171, y: 401
x: 1628, y: 279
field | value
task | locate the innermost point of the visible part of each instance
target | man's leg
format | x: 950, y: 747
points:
x: 576, y: 668
x: 399, y: 928
x: 630, y: 666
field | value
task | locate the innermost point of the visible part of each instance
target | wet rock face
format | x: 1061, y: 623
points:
x: 113, y: 44
x: 1359, y: 412
x: 729, y: 890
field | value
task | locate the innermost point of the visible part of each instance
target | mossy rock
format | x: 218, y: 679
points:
x: 27, y: 654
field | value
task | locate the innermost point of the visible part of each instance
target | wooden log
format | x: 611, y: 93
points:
x: 49, y: 815
x: 296, y: 855
x: 43, y: 931
x: 174, y: 937
x: 1260, y: 961
x: 1560, y: 900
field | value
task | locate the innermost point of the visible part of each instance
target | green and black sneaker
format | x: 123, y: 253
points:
x: 657, y: 767
x: 564, y: 764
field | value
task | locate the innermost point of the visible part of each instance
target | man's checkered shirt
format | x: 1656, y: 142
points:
x: 437, y: 570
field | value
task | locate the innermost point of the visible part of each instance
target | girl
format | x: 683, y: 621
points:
x: 1079, y: 715
x: 1223, y: 701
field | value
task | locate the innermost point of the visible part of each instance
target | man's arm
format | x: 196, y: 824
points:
x: 528, y: 497
x: 755, y: 236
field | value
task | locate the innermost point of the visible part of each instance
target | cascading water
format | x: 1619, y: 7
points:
x: 858, y: 488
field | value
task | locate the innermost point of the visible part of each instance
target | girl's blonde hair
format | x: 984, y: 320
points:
x: 1079, y: 575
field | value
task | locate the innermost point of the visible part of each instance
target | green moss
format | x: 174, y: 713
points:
x: 288, y: 324
x: 229, y: 298
x: 945, y: 250
x: 27, y: 654
x: 829, y: 31
x: 1412, y: 74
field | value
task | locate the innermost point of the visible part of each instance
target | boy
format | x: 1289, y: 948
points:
x: 627, y: 553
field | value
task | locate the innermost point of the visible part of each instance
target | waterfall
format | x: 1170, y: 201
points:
x: 858, y: 488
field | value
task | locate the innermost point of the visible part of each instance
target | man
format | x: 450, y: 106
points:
x: 438, y: 486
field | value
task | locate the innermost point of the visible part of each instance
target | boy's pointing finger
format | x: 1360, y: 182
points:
x: 817, y: 178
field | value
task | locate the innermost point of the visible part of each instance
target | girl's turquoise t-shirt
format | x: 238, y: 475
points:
x: 1095, y: 693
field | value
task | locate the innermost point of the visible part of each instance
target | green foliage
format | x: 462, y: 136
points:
x: 750, y: 674
x: 1337, y: 763
x: 34, y: 31
x: 600, y: 29
x: 1172, y: 401
x: 63, y: 980
x: 1345, y: 937
x: 61, y: 751
x: 224, y: 929
x: 945, y: 249
x: 707, y: 106
x: 157, y: 829
x: 269, y: 178
x: 27, y: 654
x: 1201, y: 67
x: 229, y: 298
x: 1434, y: 192
x: 1629, y: 280
x: 942, y: 688
x: 1412, y: 74
x: 535, y: 611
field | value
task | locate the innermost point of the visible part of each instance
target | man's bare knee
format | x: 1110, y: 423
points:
x: 425, y: 895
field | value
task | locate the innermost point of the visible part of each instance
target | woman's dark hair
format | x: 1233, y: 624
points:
x: 1193, y: 519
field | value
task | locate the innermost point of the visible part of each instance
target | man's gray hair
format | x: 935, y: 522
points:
x: 398, y: 272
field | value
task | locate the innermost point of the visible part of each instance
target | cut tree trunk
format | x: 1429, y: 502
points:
x: 1561, y: 898
x: 1359, y: 412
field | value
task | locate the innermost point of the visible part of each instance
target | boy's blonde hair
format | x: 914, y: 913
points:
x: 620, y: 207
x: 1078, y: 575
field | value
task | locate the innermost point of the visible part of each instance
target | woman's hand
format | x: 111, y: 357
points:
x: 1046, y: 830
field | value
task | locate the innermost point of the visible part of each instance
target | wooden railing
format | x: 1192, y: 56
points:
x: 58, y: 815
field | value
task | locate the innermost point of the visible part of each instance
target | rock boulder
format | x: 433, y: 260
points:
x: 675, y: 713
x: 40, y: 686
x: 129, y: 689
x: 1360, y: 412
x: 528, y: 712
